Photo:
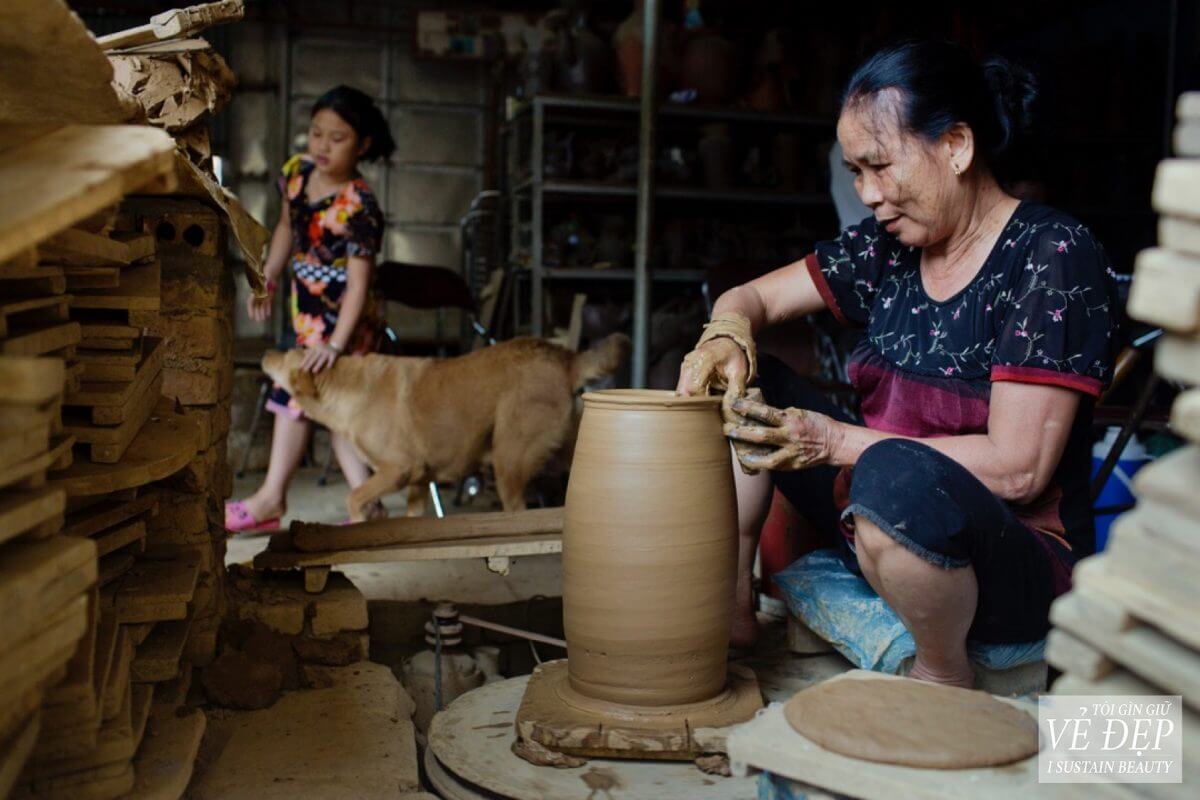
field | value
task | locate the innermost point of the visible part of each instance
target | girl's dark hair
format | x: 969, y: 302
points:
x: 360, y: 113
x: 940, y: 84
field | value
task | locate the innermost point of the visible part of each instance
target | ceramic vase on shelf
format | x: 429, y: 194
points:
x: 649, y: 550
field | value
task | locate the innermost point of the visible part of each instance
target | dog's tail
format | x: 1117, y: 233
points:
x: 601, y: 360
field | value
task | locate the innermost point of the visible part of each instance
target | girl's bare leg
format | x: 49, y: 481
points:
x: 287, y: 449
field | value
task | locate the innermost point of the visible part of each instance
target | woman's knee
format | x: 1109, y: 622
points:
x: 899, y: 496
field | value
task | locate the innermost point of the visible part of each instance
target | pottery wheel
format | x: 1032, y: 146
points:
x: 472, y: 740
x: 554, y: 715
x: 912, y: 723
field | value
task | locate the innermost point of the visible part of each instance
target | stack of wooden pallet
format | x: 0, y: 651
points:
x: 1132, y: 623
x: 112, y: 277
x: 47, y: 580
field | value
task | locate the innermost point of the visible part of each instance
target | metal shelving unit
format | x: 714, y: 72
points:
x: 530, y: 192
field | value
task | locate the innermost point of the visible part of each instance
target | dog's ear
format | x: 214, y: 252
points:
x: 302, y: 383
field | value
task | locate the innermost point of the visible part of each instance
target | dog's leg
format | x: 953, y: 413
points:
x: 386, y: 479
x: 418, y: 494
x: 523, y: 442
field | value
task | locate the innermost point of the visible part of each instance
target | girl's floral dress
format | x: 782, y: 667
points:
x: 325, y: 233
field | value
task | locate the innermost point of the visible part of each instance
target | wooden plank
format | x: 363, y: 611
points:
x: 21, y: 512
x: 1188, y: 105
x: 1154, y: 561
x: 52, y: 644
x: 540, y: 544
x: 36, y: 340
x: 1172, y: 481
x: 1179, y: 233
x: 82, y: 279
x: 37, y: 577
x: 1070, y: 654
x: 111, y: 401
x: 21, y: 444
x: 1140, y: 648
x: 117, y: 741
x: 140, y: 290
x: 33, y: 310
x: 1148, y: 605
x: 69, y: 174
x: 166, y: 758
x: 1185, y: 415
x: 77, y: 689
x: 75, y: 247
x: 1186, y: 138
x: 314, y: 537
x: 114, y: 539
x: 106, y: 514
x: 156, y: 591
x: 1177, y: 187
x: 34, y: 281
x: 117, y: 684
x: 32, y: 473
x: 164, y: 445
x: 30, y: 381
x: 157, y: 659
x: 109, y: 443
x: 1166, y: 290
x: 105, y: 330
x: 16, y: 751
x: 114, y: 566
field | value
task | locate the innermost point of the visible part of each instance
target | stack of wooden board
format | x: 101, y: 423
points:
x: 34, y: 311
x: 1131, y: 625
x: 47, y: 580
x: 113, y: 277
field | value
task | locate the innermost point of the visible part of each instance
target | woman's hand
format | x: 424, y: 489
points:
x: 714, y: 361
x: 259, y: 308
x: 319, y: 357
x: 782, y: 439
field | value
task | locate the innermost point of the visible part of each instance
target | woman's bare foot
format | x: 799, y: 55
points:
x: 962, y: 676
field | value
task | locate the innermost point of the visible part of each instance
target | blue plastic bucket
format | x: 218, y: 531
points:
x: 1118, y: 491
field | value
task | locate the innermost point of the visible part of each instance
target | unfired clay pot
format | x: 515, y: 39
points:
x: 649, y: 550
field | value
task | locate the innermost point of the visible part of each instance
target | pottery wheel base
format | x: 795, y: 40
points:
x: 555, y: 716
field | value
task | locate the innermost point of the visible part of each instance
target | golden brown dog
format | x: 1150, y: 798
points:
x: 419, y: 419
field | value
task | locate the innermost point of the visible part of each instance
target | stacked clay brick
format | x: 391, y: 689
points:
x: 196, y: 330
x: 1131, y: 625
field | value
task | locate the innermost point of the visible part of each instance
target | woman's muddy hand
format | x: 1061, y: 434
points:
x: 782, y: 439
x: 717, y: 361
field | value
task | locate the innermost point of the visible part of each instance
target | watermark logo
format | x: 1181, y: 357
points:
x: 1110, y: 739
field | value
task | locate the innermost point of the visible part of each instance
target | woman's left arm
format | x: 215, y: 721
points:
x: 358, y: 285
x: 1028, y: 426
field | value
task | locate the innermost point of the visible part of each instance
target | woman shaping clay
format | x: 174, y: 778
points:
x: 962, y: 496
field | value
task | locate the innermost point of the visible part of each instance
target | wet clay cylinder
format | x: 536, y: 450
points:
x: 649, y: 550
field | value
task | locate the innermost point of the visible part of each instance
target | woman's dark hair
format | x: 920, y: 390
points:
x: 940, y: 84
x: 360, y: 113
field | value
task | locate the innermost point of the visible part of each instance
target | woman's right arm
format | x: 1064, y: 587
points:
x: 780, y: 295
x: 259, y: 308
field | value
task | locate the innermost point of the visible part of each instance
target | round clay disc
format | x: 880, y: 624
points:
x: 912, y: 723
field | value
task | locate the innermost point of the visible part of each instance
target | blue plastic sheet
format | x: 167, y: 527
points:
x: 843, y: 609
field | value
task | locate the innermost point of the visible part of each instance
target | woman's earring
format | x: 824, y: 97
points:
x: 957, y: 171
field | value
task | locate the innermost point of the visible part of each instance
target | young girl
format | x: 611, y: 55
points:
x: 329, y: 231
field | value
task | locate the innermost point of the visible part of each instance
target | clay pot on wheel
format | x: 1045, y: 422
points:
x: 649, y: 550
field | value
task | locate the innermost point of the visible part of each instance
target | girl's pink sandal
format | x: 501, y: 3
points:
x: 238, y: 519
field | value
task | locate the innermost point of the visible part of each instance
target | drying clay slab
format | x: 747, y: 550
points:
x: 913, y: 723
x: 770, y: 743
